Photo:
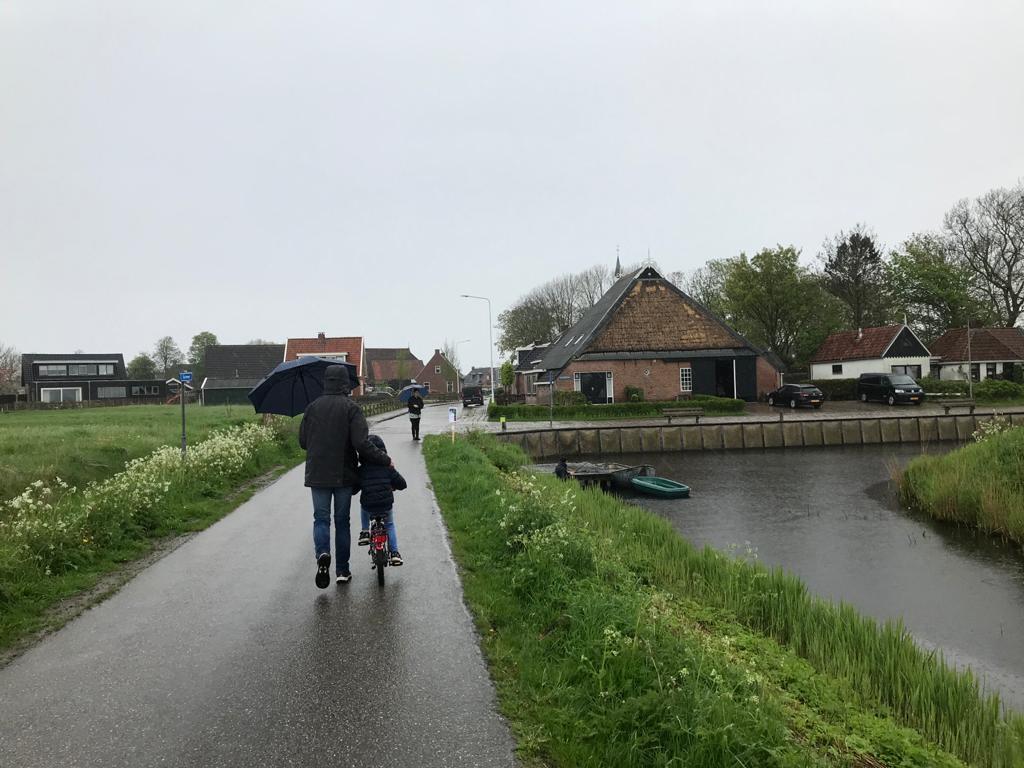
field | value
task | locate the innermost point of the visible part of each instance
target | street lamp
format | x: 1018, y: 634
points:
x: 457, y: 373
x: 490, y: 334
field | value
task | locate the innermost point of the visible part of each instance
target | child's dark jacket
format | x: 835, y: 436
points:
x: 378, y: 485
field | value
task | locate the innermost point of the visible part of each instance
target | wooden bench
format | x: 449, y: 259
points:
x: 953, y: 402
x: 674, y: 412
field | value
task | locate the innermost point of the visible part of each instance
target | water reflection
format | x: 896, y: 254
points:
x: 830, y: 516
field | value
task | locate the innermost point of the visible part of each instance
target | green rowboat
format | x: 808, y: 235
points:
x: 661, y: 486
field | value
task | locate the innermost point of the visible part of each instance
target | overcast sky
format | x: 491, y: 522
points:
x: 274, y: 169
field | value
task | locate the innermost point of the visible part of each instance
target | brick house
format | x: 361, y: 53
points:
x: 233, y: 369
x: 995, y: 353
x: 478, y: 377
x: 345, y: 348
x: 526, y: 370
x: 646, y: 333
x: 883, y: 349
x: 75, y: 378
x: 440, y: 375
x: 392, y: 367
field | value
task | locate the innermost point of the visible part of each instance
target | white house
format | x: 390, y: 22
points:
x: 888, y: 349
x: 995, y: 353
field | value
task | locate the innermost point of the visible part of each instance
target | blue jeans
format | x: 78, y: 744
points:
x: 389, y: 523
x: 322, y: 524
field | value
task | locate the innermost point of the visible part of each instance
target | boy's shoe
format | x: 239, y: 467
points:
x: 396, y: 559
x: 344, y: 577
x: 364, y: 539
x: 323, y: 570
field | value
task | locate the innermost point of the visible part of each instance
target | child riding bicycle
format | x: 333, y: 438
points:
x: 377, y: 499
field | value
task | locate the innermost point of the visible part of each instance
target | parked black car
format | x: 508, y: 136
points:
x: 472, y: 396
x: 891, y: 387
x: 797, y: 394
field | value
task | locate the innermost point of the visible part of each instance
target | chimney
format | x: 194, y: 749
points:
x: 860, y: 334
x: 437, y: 351
x: 321, y: 336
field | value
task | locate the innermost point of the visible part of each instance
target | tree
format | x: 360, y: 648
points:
x: 932, y: 289
x: 260, y: 341
x: 507, y: 375
x: 10, y: 369
x: 855, y: 273
x: 167, y: 356
x: 142, y: 367
x: 197, y: 352
x: 451, y: 354
x: 778, y: 304
x: 987, y: 238
x: 707, y: 286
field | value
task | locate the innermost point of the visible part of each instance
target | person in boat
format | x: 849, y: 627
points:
x: 562, y: 469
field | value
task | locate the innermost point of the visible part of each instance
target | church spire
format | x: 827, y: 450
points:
x: 618, y: 266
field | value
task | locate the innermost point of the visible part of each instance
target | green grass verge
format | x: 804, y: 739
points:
x: 85, y: 444
x: 31, y: 585
x: 981, y: 484
x: 612, y: 641
x: 713, y: 406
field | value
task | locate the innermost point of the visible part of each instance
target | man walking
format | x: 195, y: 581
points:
x: 415, y: 409
x: 335, y: 436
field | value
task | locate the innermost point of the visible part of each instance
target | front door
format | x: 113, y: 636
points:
x: 594, y: 386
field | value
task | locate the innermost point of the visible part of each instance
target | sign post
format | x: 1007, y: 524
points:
x: 453, y: 415
x: 185, y: 377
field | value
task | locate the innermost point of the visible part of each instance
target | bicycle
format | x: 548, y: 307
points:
x: 380, y: 552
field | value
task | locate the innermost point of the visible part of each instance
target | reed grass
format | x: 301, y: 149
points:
x: 538, y: 593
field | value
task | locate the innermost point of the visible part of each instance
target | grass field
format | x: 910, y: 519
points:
x: 614, y: 642
x: 84, y: 444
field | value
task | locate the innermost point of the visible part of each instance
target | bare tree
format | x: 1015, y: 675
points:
x: 451, y: 354
x: 592, y: 283
x: 10, y: 369
x: 987, y: 237
x: 707, y: 285
x: 167, y: 354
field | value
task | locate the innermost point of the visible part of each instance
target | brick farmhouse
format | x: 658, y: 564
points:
x: 440, y: 375
x: 348, y: 349
x: 646, y: 333
x: 391, y: 366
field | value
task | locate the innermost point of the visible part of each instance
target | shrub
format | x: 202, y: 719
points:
x: 837, y: 389
x: 998, y: 389
x: 570, y: 398
x: 938, y: 386
x: 634, y: 394
x: 713, y: 405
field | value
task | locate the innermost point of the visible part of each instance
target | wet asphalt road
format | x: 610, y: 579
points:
x: 224, y: 653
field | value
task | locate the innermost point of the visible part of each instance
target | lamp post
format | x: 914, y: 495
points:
x: 457, y: 372
x: 490, y: 335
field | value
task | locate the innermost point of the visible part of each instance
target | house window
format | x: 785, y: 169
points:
x: 53, y: 370
x: 138, y: 390
x: 990, y: 370
x: 936, y: 370
x: 451, y: 385
x: 111, y: 392
x: 837, y: 370
x: 913, y: 371
x: 686, y: 379
x: 58, y: 395
x: 975, y: 371
x: 105, y: 369
x: 82, y: 369
x: 531, y: 383
x: 437, y: 369
x: 576, y: 381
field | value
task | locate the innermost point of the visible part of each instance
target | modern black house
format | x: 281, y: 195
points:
x: 233, y: 369
x: 75, y: 378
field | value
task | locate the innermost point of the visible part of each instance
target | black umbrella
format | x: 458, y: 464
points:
x: 406, y: 392
x: 293, y: 385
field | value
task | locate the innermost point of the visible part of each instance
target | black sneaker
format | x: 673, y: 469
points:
x: 344, y: 577
x: 323, y: 570
x: 364, y: 539
x: 396, y: 559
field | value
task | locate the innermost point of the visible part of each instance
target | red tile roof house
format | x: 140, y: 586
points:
x: 885, y: 349
x: 346, y: 348
x: 996, y: 353
x: 440, y: 375
x: 392, y: 367
x: 646, y: 333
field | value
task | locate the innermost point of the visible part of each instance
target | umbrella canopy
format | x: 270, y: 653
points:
x: 406, y: 392
x: 293, y: 385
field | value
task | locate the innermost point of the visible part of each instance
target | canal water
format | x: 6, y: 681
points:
x: 830, y: 515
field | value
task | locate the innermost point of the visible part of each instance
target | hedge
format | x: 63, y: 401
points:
x: 588, y: 411
x: 837, y: 389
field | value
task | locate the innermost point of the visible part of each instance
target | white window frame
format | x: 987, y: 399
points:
x: 62, y: 390
x: 682, y: 383
x: 449, y: 386
x: 48, y: 374
x: 437, y: 369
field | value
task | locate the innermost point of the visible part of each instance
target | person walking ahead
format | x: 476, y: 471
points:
x: 415, y: 409
x: 335, y: 437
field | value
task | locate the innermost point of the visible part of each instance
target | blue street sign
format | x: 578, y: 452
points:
x: 185, y: 377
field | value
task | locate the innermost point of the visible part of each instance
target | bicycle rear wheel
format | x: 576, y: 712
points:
x: 380, y: 559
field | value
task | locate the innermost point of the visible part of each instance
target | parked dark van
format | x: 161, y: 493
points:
x: 472, y: 396
x: 890, y: 387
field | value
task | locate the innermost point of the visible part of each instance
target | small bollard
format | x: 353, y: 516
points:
x: 502, y: 419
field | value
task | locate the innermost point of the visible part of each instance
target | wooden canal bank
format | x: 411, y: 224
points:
x: 729, y: 436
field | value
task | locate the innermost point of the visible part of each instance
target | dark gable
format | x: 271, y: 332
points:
x: 907, y: 345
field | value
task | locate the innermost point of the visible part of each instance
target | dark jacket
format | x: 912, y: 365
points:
x: 334, y: 434
x: 378, y: 484
x: 415, y: 405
